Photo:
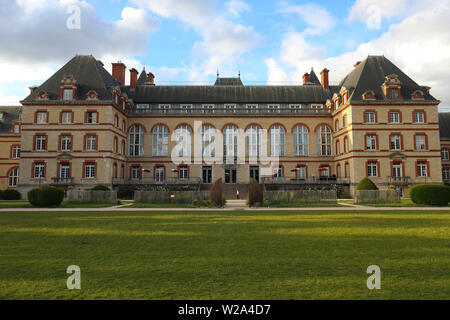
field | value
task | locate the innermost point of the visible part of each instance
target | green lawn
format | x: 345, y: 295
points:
x: 26, y: 204
x: 402, y: 203
x: 225, y: 254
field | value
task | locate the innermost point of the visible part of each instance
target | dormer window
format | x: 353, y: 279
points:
x: 92, y: 95
x: 393, y: 94
x: 42, y: 95
x: 368, y: 95
x: 391, y: 87
x: 68, y: 88
x: 418, y: 95
x: 68, y: 94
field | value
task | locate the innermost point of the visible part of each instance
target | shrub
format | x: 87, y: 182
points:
x: 45, y: 197
x: 100, y: 187
x: 10, y: 194
x: 436, y: 195
x: 255, y: 193
x: 125, y: 193
x: 215, y: 195
x: 366, y: 184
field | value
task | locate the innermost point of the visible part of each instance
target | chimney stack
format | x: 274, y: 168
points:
x: 133, y: 77
x: 325, y: 80
x: 151, y: 78
x: 118, y: 72
x: 306, y: 78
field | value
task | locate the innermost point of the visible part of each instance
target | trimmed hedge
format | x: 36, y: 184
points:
x: 435, y: 195
x: 10, y: 194
x: 100, y: 187
x: 366, y: 184
x: 45, y: 197
x: 255, y: 193
x: 215, y: 194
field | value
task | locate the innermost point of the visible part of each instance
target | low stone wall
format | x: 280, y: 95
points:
x: 181, y: 197
x: 301, y: 196
x: 377, y: 196
x: 90, y: 196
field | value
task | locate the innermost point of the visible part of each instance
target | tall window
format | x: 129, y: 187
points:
x: 68, y: 94
x: 344, y: 121
x: 66, y: 117
x: 16, y: 152
x: 253, y: 137
x: 445, y: 155
x: 393, y: 94
x: 116, y: 145
x: 136, y: 173
x: 278, y: 172
x: 230, y: 141
x: 66, y: 142
x: 116, y: 121
x: 338, y: 148
x: 159, y: 174
x: 160, y: 141
x: 324, y: 141
x: 183, y: 136
x: 41, y: 117
x: 421, y: 169
x: 370, y: 117
x: 397, y: 170
x: 395, y: 142
x: 420, y: 142
x: 207, y: 135
x: 394, y: 117
x: 371, y: 142
x: 122, y: 149
x: 183, y: 172
x: 89, y: 170
x: 277, y: 134
x: 346, y: 144
x: 13, y: 178
x: 91, y: 117
x: 39, y: 170
x: 446, y: 174
x: 64, y: 170
x: 336, y: 125
x: 372, y: 169
x: 41, y: 143
x: 136, y: 141
x: 419, y: 117
x: 91, y: 143
x: 301, y: 140
x: 301, y: 173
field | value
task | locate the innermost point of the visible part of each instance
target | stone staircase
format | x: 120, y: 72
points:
x: 236, y: 204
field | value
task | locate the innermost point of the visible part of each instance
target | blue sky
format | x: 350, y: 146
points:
x: 186, y: 41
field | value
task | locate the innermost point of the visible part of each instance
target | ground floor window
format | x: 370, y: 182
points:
x: 89, y: 171
x: 39, y: 170
x: 136, y: 173
x: 13, y: 180
x: 159, y: 174
x: 278, y: 172
x: 446, y: 174
x: 183, y: 173
x: 421, y: 169
x: 372, y: 169
x: 301, y: 173
x: 207, y: 174
x: 254, y: 173
x: 230, y: 175
x: 64, y: 171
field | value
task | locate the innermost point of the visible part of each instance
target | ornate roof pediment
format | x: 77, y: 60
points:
x: 64, y: 156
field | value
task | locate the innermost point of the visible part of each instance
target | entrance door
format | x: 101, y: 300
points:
x: 230, y: 175
x: 397, y: 170
x: 207, y: 174
x: 254, y: 173
x: 159, y: 174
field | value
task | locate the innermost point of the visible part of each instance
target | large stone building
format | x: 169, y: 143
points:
x: 84, y: 127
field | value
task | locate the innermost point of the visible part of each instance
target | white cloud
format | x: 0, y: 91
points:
x: 223, y: 41
x: 419, y: 45
x: 363, y: 9
x: 236, y: 7
x: 319, y: 19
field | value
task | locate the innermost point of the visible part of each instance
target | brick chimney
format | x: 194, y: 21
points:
x: 133, y: 77
x: 118, y: 72
x: 306, y: 78
x: 151, y: 78
x: 325, y: 81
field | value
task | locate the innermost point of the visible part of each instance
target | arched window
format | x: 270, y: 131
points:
x: 136, y: 140
x: 230, y: 141
x: 183, y: 136
x: 208, y: 134
x: 324, y: 140
x: 253, y: 137
x: 13, y: 179
x: 160, y: 141
x: 277, y: 134
x: 300, y: 140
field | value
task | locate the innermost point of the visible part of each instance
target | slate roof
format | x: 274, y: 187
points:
x: 231, y: 94
x: 313, y: 78
x: 371, y: 73
x: 142, y: 78
x: 89, y: 75
x: 444, y: 125
x: 10, y: 113
x: 228, y: 82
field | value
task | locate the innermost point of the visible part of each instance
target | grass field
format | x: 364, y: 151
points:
x: 225, y: 255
